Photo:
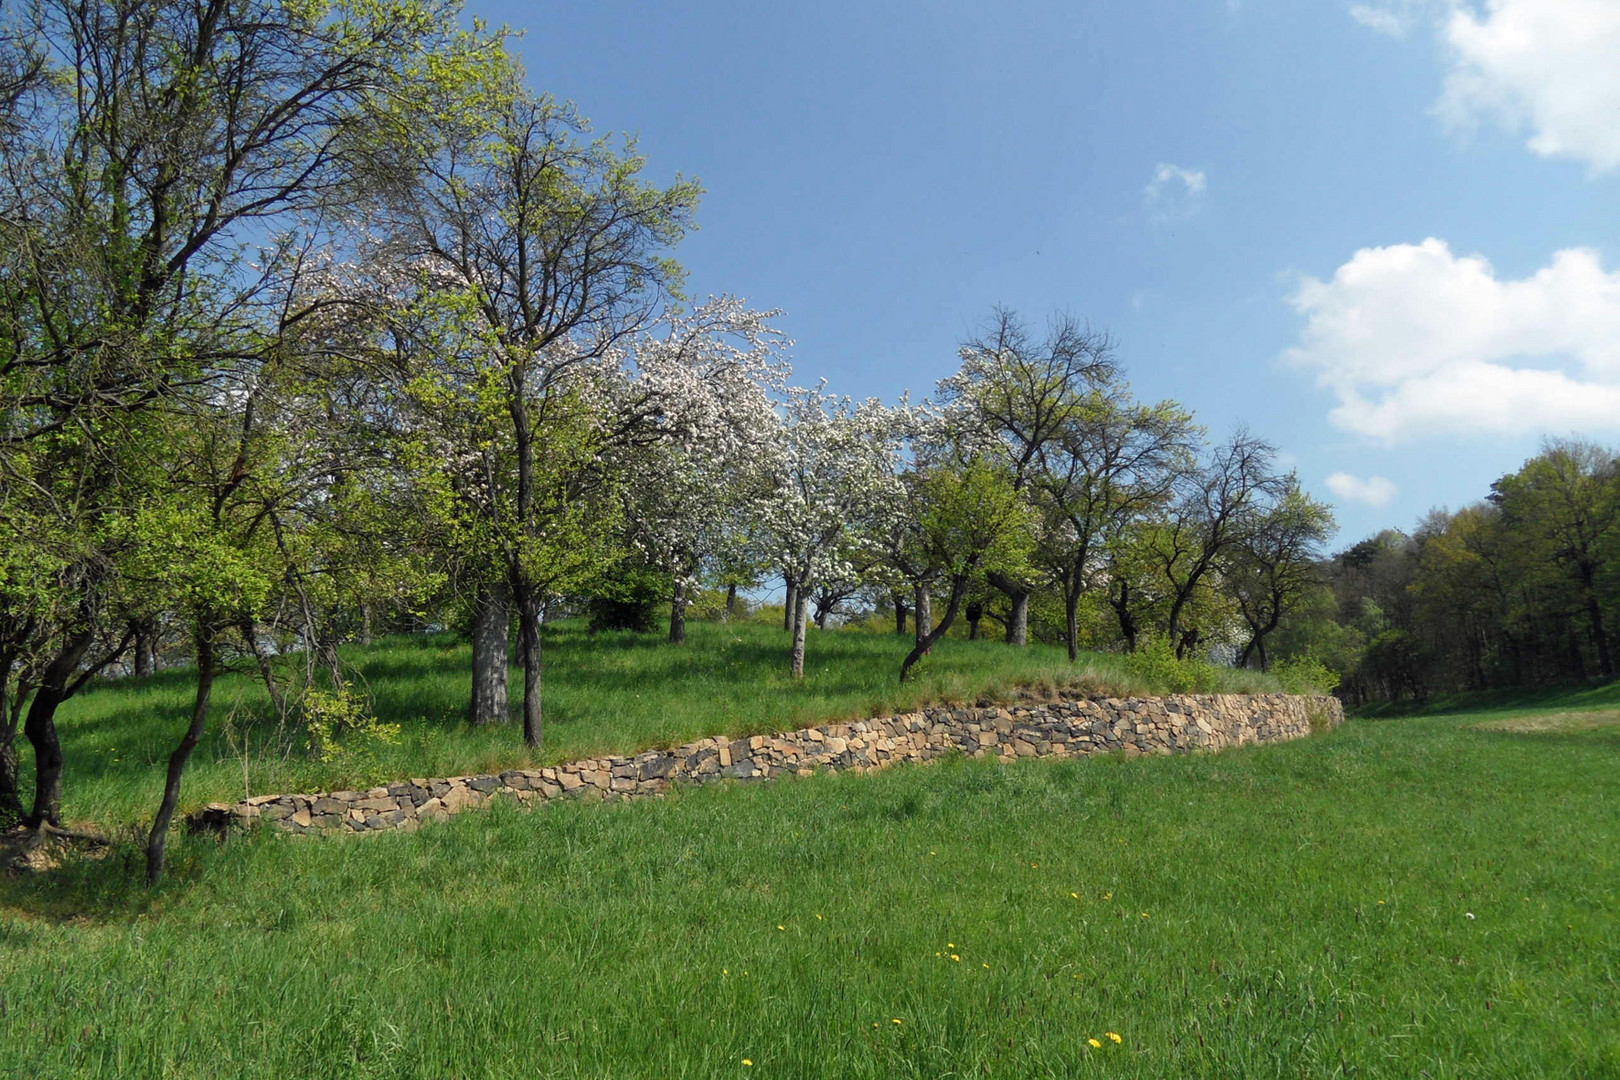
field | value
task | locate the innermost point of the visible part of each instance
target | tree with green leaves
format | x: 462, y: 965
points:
x: 547, y: 251
x: 1273, y: 565
x: 170, y: 175
x: 1113, y: 461
x: 1016, y: 392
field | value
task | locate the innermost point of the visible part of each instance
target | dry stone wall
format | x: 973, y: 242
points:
x: 1065, y: 728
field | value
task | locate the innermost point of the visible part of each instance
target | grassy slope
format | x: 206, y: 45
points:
x: 1289, y: 911
x: 609, y: 693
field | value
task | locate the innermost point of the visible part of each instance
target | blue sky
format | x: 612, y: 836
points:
x: 1337, y: 222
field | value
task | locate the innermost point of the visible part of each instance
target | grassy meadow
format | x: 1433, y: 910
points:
x: 605, y: 693
x: 1431, y: 896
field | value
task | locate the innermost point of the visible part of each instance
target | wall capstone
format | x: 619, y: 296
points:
x: 1070, y: 727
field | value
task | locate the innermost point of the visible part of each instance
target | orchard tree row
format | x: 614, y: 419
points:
x: 314, y: 320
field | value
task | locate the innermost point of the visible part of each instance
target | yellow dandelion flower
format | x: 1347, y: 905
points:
x: 1111, y: 1035
x: 747, y: 1062
x: 1144, y: 914
x: 1108, y: 896
x: 1094, y: 1044
x: 950, y: 944
x: 779, y: 926
x: 987, y: 967
x: 819, y: 917
x: 896, y: 1020
x: 1034, y: 866
x: 958, y: 959
x: 725, y: 971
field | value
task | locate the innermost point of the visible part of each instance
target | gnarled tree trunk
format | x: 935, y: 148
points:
x: 923, y: 603
x: 1018, y: 619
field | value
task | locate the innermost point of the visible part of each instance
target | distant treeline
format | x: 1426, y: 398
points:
x: 1521, y: 589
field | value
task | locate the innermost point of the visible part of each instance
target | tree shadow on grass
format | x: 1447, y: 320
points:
x: 71, y: 883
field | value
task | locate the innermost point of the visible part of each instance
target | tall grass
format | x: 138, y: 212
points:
x: 604, y: 693
x: 1404, y: 899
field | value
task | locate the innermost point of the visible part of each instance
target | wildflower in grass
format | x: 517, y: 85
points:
x: 958, y: 959
x: 1095, y: 1045
x: 1116, y: 1038
x: 897, y: 1020
x: 779, y: 926
x: 1108, y: 896
x: 1075, y: 895
x: 1144, y: 914
x: 747, y: 1062
x: 1470, y: 914
x: 819, y: 917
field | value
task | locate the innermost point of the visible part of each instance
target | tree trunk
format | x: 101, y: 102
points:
x: 677, y: 615
x: 529, y: 636
x: 491, y: 654
x: 975, y: 614
x: 925, y: 644
x: 800, y: 615
x: 790, y: 604
x: 823, y: 610
x: 923, y: 604
x: 267, y: 673
x: 146, y: 636
x: 1071, y: 618
x: 11, y: 807
x: 899, y: 613
x: 1600, y: 639
x: 1127, y: 619
x: 731, y: 603
x: 40, y: 729
x: 11, y: 703
x: 157, y: 840
x: 1018, y: 619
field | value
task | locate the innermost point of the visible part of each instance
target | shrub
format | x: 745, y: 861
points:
x: 1305, y: 675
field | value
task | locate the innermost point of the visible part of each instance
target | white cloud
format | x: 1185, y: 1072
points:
x: 1548, y: 67
x: 1415, y: 340
x: 1374, y: 491
x: 1394, y: 17
x: 1552, y: 66
x: 1174, y: 193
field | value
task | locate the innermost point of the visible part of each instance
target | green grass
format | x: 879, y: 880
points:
x: 1507, y: 702
x: 1300, y: 910
x: 606, y: 693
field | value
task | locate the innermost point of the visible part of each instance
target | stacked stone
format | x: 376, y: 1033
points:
x: 1064, y: 728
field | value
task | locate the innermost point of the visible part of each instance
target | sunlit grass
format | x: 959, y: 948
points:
x: 1395, y: 900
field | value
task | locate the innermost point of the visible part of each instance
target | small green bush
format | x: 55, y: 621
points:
x: 1305, y: 675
